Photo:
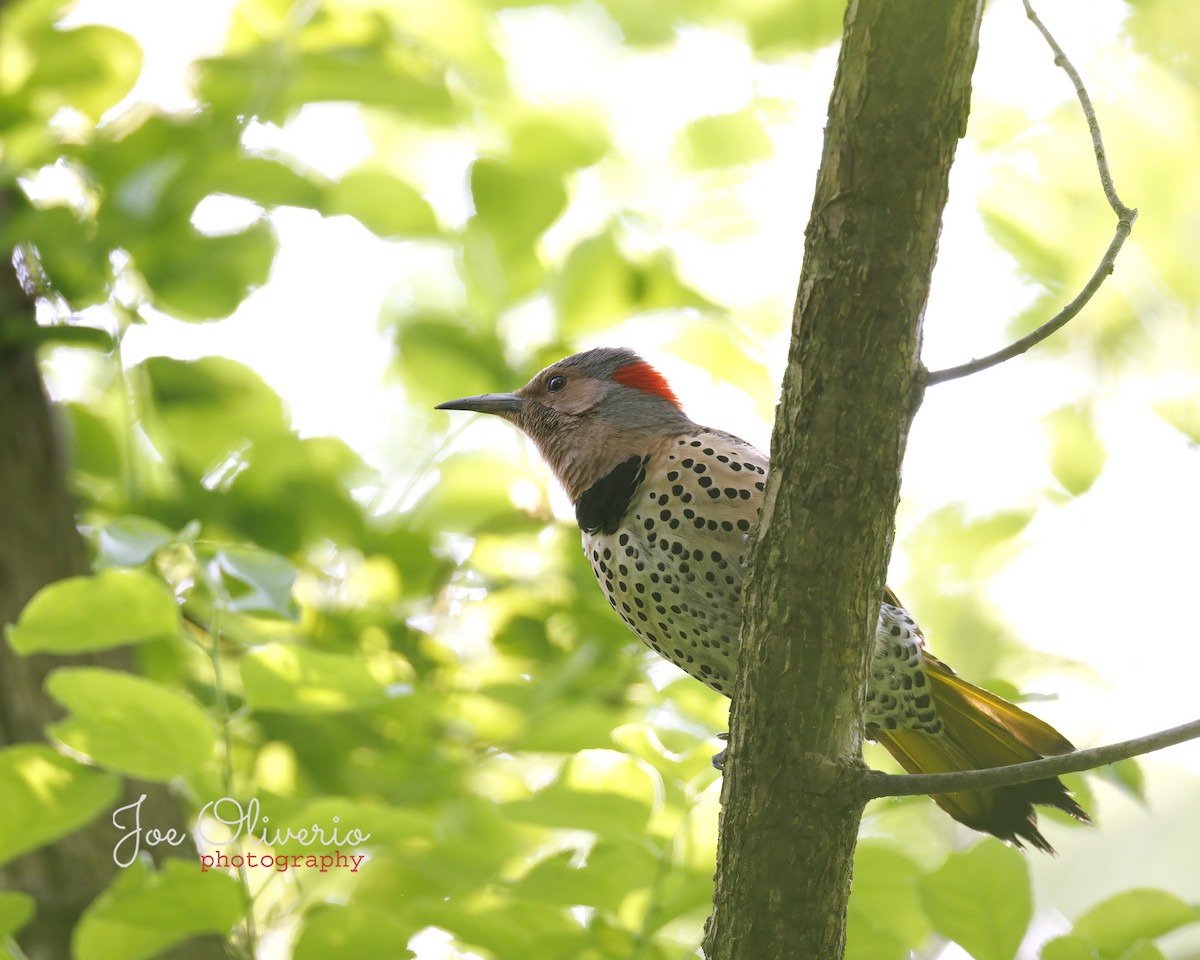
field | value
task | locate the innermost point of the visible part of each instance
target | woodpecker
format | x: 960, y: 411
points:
x: 667, y: 508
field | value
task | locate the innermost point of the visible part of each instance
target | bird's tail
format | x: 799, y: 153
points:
x: 980, y: 729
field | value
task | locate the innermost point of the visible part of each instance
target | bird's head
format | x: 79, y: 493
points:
x: 588, y: 412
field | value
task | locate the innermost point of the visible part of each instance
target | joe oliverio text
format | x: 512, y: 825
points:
x: 248, y: 822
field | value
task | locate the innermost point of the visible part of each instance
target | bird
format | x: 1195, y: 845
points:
x: 667, y: 509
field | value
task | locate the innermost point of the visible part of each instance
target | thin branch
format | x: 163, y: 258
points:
x: 1060, y: 60
x: 877, y: 784
x: 1125, y: 219
x: 1058, y: 321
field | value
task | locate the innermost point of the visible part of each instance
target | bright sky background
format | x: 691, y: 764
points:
x: 1106, y: 579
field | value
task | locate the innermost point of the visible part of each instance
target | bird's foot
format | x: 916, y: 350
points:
x: 718, y: 760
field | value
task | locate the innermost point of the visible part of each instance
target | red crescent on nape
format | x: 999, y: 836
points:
x: 642, y: 376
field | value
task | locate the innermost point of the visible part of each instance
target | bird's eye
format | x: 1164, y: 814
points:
x: 554, y: 384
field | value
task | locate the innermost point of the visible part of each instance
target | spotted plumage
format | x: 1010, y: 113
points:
x: 672, y: 569
x: 666, y: 508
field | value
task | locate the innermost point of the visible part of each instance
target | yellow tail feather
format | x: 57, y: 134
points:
x: 980, y: 729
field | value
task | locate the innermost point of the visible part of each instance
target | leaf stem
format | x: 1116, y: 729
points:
x: 214, y: 652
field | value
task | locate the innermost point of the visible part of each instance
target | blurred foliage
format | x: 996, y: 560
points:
x: 424, y: 658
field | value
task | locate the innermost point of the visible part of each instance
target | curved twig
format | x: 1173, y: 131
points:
x: 1058, y: 321
x: 877, y: 784
x: 1125, y: 219
x: 1060, y: 60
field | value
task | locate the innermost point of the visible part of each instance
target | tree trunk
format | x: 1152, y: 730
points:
x: 38, y: 545
x: 788, y: 829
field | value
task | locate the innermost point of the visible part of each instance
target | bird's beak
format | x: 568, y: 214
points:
x: 502, y: 404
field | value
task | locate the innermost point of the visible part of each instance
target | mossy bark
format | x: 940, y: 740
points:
x: 853, y: 384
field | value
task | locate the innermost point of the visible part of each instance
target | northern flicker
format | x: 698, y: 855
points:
x: 666, y: 508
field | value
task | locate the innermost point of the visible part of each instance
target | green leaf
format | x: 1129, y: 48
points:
x: 1069, y: 947
x: 515, y: 205
x: 94, y: 444
x: 558, y: 805
x: 981, y: 900
x: 90, y: 68
x: 16, y: 909
x: 1078, y: 454
x: 22, y: 334
x: 509, y: 928
x: 1182, y: 413
x: 568, y: 727
x: 709, y: 346
x: 432, y: 355
x: 354, y: 930
x: 1163, y: 29
x: 777, y: 26
x: 598, y: 285
x: 376, y: 71
x: 725, y: 140
x: 557, y: 142
x: 267, y: 182
x: 45, y: 795
x: 647, y: 24
x: 197, y: 277
x: 459, y: 504
x: 1040, y: 259
x: 1116, y: 924
x: 391, y: 75
x: 1143, y: 950
x: 293, y: 679
x: 257, y: 581
x: 144, y: 912
x: 130, y: 541
x: 76, y: 265
x: 1126, y: 774
x: 209, y: 409
x: 105, y: 610
x: 611, y: 871
x: 681, y: 892
x: 131, y: 724
x: 383, y: 203
x: 885, y: 919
